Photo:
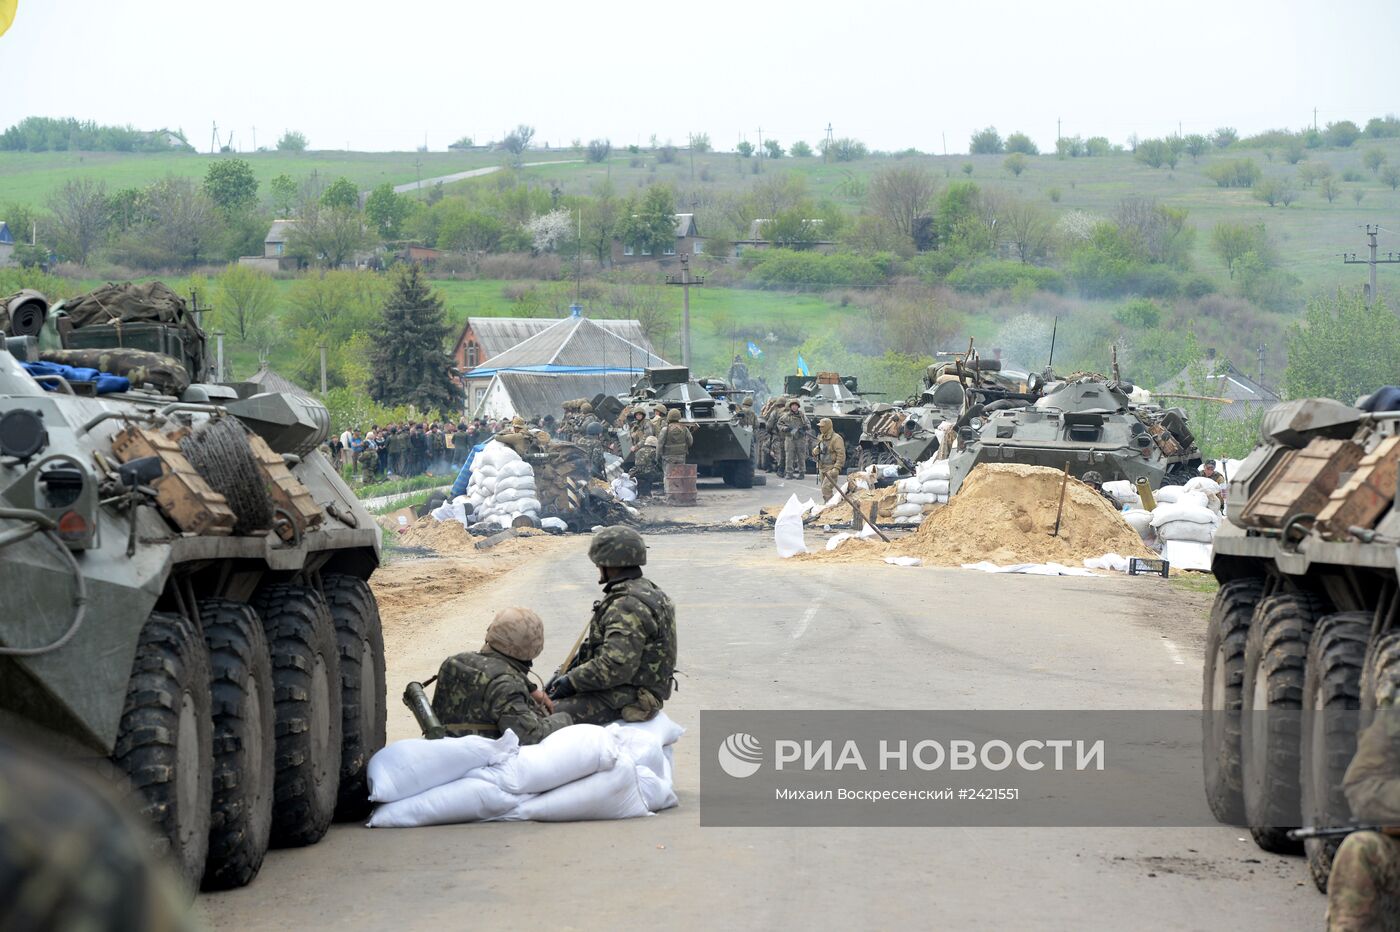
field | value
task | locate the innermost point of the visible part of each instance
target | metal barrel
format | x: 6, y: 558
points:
x: 680, y: 484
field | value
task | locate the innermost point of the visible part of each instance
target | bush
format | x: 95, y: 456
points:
x: 1096, y: 146
x: 1054, y: 194
x: 599, y: 150
x: 1020, y: 142
x: 1342, y: 133
x: 1015, y: 163
x: 1234, y: 173
x: 995, y: 275
x: 786, y: 268
x: 985, y: 142
x: 1070, y: 147
x: 800, y: 150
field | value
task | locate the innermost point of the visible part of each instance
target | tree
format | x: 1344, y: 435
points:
x: 900, y: 194
x: 292, y: 141
x: 1015, y: 163
x: 1356, y: 195
x: 342, y: 194
x: 1391, y: 176
x: 387, y: 210
x: 1343, y: 349
x: 1232, y: 241
x: 985, y: 142
x: 1020, y: 142
x: 547, y: 231
x: 800, y: 150
x: 700, y: 142
x: 1329, y: 189
x: 650, y: 224
x: 1293, y: 150
x: 183, y: 221
x: 1374, y: 159
x: 230, y: 184
x: 409, y: 363
x: 245, y: 299
x: 744, y: 148
x: 1342, y: 133
x: 282, y: 191
x: 600, y: 218
x: 1224, y: 137
x: 81, y: 216
x: 1031, y: 230
x: 518, y: 140
x: 845, y: 149
x: 1196, y: 146
x: 1154, y: 153
x: 789, y: 229
x: 1270, y: 191
x: 772, y: 148
x: 1309, y: 172
x: 599, y: 150
x: 328, y: 236
x: 331, y: 308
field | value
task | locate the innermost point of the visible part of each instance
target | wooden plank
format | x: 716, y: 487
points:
x: 1367, y: 495
x: 287, y: 491
x: 1305, y: 481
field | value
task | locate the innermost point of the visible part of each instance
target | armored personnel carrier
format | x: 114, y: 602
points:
x: 1087, y: 422
x: 828, y: 394
x: 1304, y: 626
x: 185, y: 581
x: 723, y: 447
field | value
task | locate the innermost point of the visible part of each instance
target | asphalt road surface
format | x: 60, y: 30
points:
x: 470, y: 173
x: 757, y: 632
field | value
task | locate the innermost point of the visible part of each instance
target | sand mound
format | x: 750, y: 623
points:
x: 1005, y: 513
x: 839, y: 515
x: 448, y: 536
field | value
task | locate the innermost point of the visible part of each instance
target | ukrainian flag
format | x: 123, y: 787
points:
x: 802, y: 367
x: 7, y: 14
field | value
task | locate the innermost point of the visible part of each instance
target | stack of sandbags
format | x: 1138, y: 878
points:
x: 1207, y: 487
x: 502, y: 486
x: 921, y: 493
x: 1124, y: 493
x: 1187, y: 519
x: 577, y: 773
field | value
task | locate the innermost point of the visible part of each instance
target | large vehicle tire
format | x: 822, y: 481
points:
x: 244, y: 746
x: 1276, y: 654
x: 1331, y: 698
x: 305, y: 677
x: 1380, y: 680
x: 362, y: 688
x: 738, y: 473
x: 1221, y: 696
x: 165, y: 739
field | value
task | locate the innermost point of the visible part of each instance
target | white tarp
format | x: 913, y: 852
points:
x: 1029, y: 569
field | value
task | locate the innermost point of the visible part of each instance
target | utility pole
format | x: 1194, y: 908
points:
x: 826, y: 153
x: 418, y: 165
x: 685, y: 281
x: 1058, y: 121
x: 1390, y: 258
x: 323, y: 368
x: 1262, y: 347
x: 219, y: 356
x: 255, y: 139
x: 760, y: 153
x: 1314, y: 119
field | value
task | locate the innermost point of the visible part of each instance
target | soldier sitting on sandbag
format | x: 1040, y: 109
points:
x: 488, y: 691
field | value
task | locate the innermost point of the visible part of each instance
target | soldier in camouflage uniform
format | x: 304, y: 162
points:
x: 746, y: 415
x: 675, y: 441
x: 586, y: 417
x: 398, y: 451
x: 830, y: 455
x: 792, y: 426
x: 646, y: 468
x: 1363, y: 891
x: 637, y: 427
x: 625, y: 666
x: 368, y: 458
x: 592, y: 443
x: 487, y: 691
x: 70, y: 858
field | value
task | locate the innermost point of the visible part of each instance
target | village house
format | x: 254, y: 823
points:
x: 688, y: 242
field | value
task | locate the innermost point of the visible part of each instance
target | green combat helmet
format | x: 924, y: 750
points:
x: 618, y: 546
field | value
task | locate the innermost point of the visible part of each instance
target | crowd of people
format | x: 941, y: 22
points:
x: 413, y: 448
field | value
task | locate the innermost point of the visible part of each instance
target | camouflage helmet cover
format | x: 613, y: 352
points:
x: 618, y: 546
x: 516, y: 632
x: 673, y: 415
x: 595, y: 429
x: 1091, y: 478
x: 586, y: 407
x: 748, y: 402
x: 649, y: 442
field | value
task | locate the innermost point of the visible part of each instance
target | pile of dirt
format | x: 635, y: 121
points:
x: 839, y: 515
x: 852, y: 550
x: 449, y: 536
x: 1005, y: 513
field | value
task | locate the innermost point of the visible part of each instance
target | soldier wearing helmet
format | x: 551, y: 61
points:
x: 675, y: 440
x: 792, y: 427
x: 830, y: 455
x: 646, y: 466
x: 1095, y: 481
x: 624, y: 666
x: 488, y: 691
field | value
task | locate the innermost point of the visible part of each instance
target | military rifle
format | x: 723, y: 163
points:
x: 1341, y: 831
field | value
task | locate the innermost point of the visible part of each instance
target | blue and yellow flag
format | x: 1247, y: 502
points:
x: 7, y: 14
x: 754, y: 351
x: 802, y: 367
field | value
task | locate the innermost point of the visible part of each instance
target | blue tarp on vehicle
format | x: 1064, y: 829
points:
x: 106, y: 382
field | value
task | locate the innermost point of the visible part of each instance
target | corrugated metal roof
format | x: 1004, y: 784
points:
x: 272, y: 382
x: 534, y: 394
x: 279, y: 231
x: 685, y: 226
x: 574, y: 341
x: 1229, y: 382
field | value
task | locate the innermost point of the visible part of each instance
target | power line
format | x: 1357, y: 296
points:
x: 1390, y: 259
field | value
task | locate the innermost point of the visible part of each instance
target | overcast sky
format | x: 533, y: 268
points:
x: 382, y: 75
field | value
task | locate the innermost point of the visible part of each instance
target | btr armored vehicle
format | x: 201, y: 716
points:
x: 722, y: 446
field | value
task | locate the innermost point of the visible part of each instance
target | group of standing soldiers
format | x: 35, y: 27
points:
x: 408, y: 449
x: 788, y: 442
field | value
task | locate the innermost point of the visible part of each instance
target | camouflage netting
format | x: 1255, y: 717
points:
x: 219, y: 451
x: 153, y: 302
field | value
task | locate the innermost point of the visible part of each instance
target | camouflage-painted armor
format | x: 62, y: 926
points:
x: 1363, y: 891
x: 625, y: 664
x: 487, y: 692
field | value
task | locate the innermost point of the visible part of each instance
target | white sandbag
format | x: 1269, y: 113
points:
x: 1183, y: 511
x: 910, y: 519
x: 516, y: 468
x: 656, y: 791
x: 407, y: 768
x: 526, y: 506
x: 890, y: 471
x: 608, y: 794
x: 642, y: 746
x: 838, y: 540
x: 907, y: 485
x: 442, y: 512
x: 1202, y: 484
x: 518, y: 483
x: 787, y: 530
x: 918, y: 498
x: 1169, y: 494
x: 1186, y: 530
x: 567, y: 755
x: 904, y: 561
x: 932, y: 469
x: 624, y: 489
x: 554, y: 524
x: 1187, y: 555
x: 941, y: 499
x: 469, y: 799
x: 1109, y: 561
x: 506, y: 496
x: 1139, y: 520
x: 661, y: 727
x: 1123, y: 492
x: 907, y: 510
x: 934, y: 487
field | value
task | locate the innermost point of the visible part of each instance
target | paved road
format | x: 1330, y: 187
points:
x: 880, y: 636
x: 473, y: 173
